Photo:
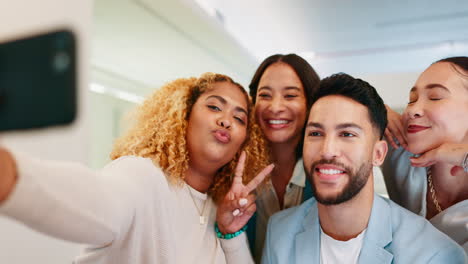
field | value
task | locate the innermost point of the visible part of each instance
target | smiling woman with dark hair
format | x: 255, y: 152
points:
x: 281, y: 90
x: 430, y: 177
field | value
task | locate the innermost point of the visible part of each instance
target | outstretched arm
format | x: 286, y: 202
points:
x: 69, y: 201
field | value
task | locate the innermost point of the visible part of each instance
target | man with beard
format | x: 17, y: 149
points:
x: 346, y: 222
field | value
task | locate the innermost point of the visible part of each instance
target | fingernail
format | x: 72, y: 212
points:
x: 242, y: 201
x: 235, y: 212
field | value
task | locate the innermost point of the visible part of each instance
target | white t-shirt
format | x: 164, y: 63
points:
x: 344, y: 252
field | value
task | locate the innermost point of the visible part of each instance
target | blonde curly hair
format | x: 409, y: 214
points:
x: 159, y: 133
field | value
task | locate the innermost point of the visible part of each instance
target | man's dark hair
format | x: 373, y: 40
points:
x: 358, y: 90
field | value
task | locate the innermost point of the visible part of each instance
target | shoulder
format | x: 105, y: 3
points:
x: 397, y: 159
x: 291, y: 218
x: 406, y: 222
x: 138, y: 171
x: 289, y: 230
x: 413, y: 231
x: 131, y: 163
x: 405, y: 184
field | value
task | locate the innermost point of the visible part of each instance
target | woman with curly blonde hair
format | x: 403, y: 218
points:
x: 172, y: 176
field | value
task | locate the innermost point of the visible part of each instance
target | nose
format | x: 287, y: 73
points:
x: 277, y: 104
x: 329, y: 149
x: 224, y: 122
x: 415, y: 110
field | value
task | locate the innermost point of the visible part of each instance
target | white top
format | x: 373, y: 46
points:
x: 268, y: 203
x: 407, y: 186
x: 127, y: 213
x: 344, y: 252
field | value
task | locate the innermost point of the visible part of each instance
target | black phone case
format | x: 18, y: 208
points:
x: 38, y: 81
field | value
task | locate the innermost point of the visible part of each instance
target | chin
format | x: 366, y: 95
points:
x: 279, y: 137
x: 413, y: 148
x: 328, y: 195
x: 219, y: 155
x: 421, y: 147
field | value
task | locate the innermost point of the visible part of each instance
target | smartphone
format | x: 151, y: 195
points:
x: 38, y: 86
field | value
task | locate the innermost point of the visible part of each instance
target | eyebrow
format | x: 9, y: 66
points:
x: 431, y: 86
x: 286, y: 88
x: 264, y: 88
x: 340, y: 126
x: 223, y: 101
x: 292, y: 88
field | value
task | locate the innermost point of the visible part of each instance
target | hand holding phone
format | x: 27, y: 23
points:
x: 38, y: 81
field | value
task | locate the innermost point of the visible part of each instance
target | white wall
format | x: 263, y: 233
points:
x: 393, y: 87
x: 109, y: 115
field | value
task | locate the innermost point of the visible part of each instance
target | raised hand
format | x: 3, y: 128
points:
x: 448, y: 153
x: 239, y: 204
x: 395, y: 129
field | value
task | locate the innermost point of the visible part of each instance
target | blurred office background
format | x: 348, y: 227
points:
x: 138, y: 45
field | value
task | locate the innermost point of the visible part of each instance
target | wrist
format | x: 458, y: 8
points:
x: 8, y: 174
x: 220, y: 227
x: 223, y: 235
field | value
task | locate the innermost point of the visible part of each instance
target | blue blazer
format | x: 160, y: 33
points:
x: 394, y: 235
x: 252, y: 224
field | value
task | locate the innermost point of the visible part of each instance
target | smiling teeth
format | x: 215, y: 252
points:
x: 331, y: 171
x: 277, y: 122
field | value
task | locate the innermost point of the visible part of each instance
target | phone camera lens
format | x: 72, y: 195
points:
x: 61, y: 62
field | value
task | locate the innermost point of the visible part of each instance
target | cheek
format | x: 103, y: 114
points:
x: 191, y: 137
x: 445, y: 117
x: 300, y: 108
x: 405, y: 117
x: 197, y: 122
x: 259, y: 108
x: 308, y: 153
x: 357, y: 153
x: 240, y: 134
x: 257, y: 113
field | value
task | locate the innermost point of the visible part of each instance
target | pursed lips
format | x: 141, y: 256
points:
x: 222, y: 136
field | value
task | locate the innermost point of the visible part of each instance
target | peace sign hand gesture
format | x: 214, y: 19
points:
x: 238, y: 205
